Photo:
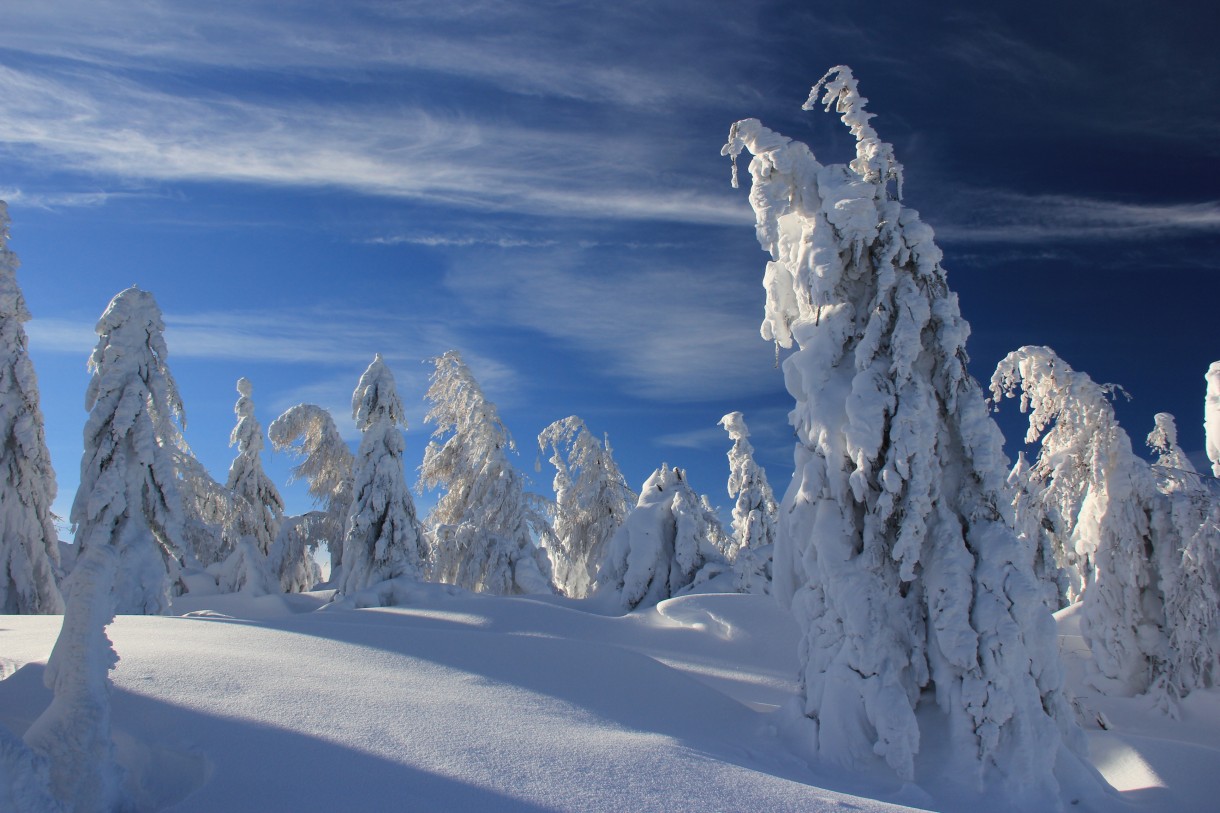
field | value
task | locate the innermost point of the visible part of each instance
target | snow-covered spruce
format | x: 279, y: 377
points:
x: 1163, y: 440
x: 664, y: 547
x: 1041, y: 530
x: 591, y: 501
x: 752, y: 543
x: 483, y: 526
x: 128, y: 498
x: 1211, y: 417
x: 259, y: 505
x: 894, y: 549
x: 384, y: 539
x: 73, y: 734
x: 29, y: 545
x: 1128, y: 550
x: 310, y: 431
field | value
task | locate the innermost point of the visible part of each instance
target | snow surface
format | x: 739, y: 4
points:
x: 474, y: 702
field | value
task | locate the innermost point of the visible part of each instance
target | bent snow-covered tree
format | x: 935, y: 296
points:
x: 128, y: 496
x: 591, y: 501
x: 894, y: 549
x: 384, y: 539
x: 309, y: 431
x: 665, y: 546
x: 29, y: 545
x: 484, y: 525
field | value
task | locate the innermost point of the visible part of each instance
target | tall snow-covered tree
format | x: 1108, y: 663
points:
x: 894, y: 548
x: 260, y: 507
x: 128, y: 496
x: 326, y: 465
x: 664, y: 547
x: 29, y: 545
x: 384, y: 539
x: 483, y: 527
x: 754, y: 511
x: 1211, y: 417
x: 73, y: 734
x: 591, y: 501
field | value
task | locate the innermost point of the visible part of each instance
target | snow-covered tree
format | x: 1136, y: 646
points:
x: 1041, y: 530
x: 291, y: 558
x: 384, y: 539
x: 894, y: 548
x: 259, y: 505
x: 29, y: 545
x: 327, y: 463
x: 663, y: 548
x: 207, y: 509
x: 591, y: 501
x: 73, y: 734
x: 754, y: 512
x: 128, y: 496
x: 1211, y: 417
x: 483, y: 526
x: 1163, y: 439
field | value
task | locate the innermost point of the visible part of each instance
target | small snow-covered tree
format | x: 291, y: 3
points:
x: 754, y: 512
x: 1211, y: 417
x: 291, y: 559
x: 664, y: 547
x: 326, y: 465
x: 128, y: 495
x: 894, y: 548
x: 384, y: 539
x: 483, y: 526
x: 1163, y: 439
x: 1040, y: 529
x: 29, y: 545
x: 260, y: 507
x: 73, y: 734
x: 591, y: 501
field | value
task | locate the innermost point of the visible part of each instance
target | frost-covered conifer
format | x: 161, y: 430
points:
x: 73, y: 734
x: 29, y: 545
x: 384, y: 539
x: 591, y: 501
x: 327, y: 466
x: 207, y: 509
x: 1040, y: 529
x: 663, y: 548
x: 1211, y: 417
x: 893, y: 548
x: 754, y: 512
x: 291, y: 558
x: 1163, y: 439
x: 128, y: 496
x: 483, y: 526
x: 260, y: 507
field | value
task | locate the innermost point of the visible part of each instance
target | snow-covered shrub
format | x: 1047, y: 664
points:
x: 591, y: 500
x: 483, y: 526
x: 73, y: 734
x: 894, y: 549
x: 664, y: 547
x: 128, y: 495
x: 384, y: 539
x: 327, y: 467
x: 29, y: 545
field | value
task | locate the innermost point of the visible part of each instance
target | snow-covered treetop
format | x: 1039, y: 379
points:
x: 132, y: 343
x: 12, y: 302
x: 376, y: 397
x: 875, y: 161
x: 1211, y: 420
x: 327, y: 463
x: 1163, y: 440
x: 247, y: 434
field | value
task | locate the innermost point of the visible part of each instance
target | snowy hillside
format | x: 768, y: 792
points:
x: 458, y: 701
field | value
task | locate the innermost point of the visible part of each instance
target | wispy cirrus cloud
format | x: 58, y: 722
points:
x: 996, y: 216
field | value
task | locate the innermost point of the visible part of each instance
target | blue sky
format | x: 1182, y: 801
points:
x: 539, y: 185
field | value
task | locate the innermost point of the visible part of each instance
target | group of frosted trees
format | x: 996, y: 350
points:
x: 920, y: 569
